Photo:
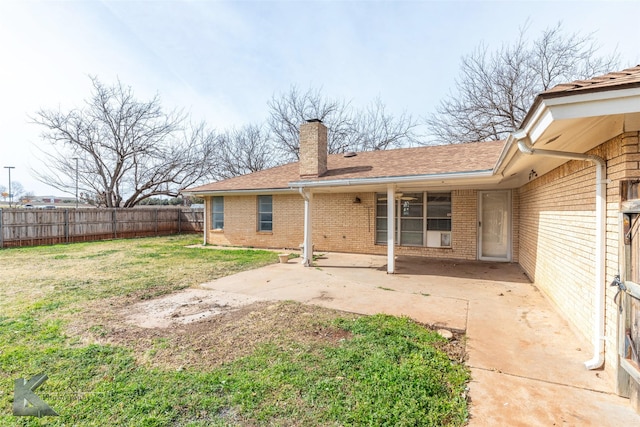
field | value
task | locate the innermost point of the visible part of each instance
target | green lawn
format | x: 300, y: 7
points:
x: 386, y: 371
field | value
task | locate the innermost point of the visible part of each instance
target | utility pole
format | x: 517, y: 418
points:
x: 10, y: 193
x: 76, y: 159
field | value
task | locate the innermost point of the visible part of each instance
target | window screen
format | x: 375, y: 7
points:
x: 439, y: 211
x: 265, y: 213
x: 217, y: 213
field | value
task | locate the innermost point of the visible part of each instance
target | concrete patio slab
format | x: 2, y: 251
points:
x: 499, y: 399
x: 525, y: 359
x: 349, y: 288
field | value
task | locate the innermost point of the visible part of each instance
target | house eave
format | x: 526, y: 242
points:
x: 404, y: 179
x: 243, y: 192
x: 595, y: 115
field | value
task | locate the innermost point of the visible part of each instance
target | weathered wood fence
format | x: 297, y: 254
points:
x: 31, y: 227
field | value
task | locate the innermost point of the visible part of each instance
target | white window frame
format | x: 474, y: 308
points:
x: 214, y: 212
x: 442, y: 240
x: 261, y: 223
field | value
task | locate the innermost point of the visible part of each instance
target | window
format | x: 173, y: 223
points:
x: 411, y: 219
x: 217, y: 213
x: 265, y: 213
x: 381, y: 218
x: 416, y: 214
x: 439, y: 211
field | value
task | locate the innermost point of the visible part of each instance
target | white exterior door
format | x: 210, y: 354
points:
x: 494, y: 226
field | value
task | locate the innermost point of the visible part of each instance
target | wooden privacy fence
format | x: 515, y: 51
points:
x: 31, y: 227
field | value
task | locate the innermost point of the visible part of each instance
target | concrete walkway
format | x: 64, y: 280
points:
x: 526, y: 361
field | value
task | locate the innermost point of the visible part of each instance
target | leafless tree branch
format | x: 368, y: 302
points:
x: 127, y: 150
x: 496, y: 89
x: 349, y: 129
x: 245, y: 150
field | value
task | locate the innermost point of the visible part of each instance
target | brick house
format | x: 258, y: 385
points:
x: 557, y: 197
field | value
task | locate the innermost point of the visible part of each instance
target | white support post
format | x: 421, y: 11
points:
x: 307, y: 254
x: 391, y: 229
x: 207, y: 203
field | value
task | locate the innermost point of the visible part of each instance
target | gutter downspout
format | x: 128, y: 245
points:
x: 524, y: 145
x: 307, y: 246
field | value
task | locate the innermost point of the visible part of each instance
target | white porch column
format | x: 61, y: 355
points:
x: 307, y: 254
x: 391, y: 229
x: 207, y: 205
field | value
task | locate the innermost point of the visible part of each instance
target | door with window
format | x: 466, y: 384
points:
x: 494, y: 226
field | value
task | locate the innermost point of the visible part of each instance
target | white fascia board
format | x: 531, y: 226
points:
x: 540, y: 120
x: 393, y: 179
x: 507, y: 153
x: 605, y: 95
x: 537, y: 129
x: 595, y: 108
x: 594, y: 104
x: 258, y: 191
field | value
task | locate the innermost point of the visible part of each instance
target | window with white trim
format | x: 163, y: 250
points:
x: 265, y: 213
x: 422, y: 219
x: 217, y: 213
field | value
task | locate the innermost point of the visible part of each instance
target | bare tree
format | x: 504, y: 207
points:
x: 375, y: 129
x: 245, y: 150
x: 127, y: 150
x: 349, y: 129
x: 496, y: 89
x: 27, y: 197
x: 291, y: 109
x: 17, y: 191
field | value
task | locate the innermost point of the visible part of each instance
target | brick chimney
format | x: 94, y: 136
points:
x: 313, y: 149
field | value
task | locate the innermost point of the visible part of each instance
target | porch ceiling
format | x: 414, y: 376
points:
x: 576, y: 135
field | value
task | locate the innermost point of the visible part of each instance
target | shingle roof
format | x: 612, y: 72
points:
x: 619, y: 79
x: 439, y: 159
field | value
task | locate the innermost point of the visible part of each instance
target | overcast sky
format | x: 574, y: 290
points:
x: 222, y: 61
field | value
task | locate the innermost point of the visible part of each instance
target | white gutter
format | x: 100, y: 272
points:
x: 524, y: 145
x: 393, y: 179
x: 296, y: 185
x: 265, y: 191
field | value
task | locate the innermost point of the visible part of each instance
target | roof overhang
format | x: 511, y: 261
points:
x: 558, y: 121
x: 448, y: 181
x: 572, y: 123
x: 483, y: 179
x: 258, y: 191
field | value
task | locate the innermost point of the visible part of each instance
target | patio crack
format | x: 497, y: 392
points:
x: 575, y: 387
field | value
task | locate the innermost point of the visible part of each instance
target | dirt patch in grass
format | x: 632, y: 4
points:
x: 198, y: 329
x: 213, y: 340
x: 187, y: 306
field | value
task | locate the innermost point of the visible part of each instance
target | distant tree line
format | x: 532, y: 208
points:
x: 126, y: 152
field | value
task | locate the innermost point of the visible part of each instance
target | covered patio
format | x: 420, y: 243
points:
x: 526, y: 361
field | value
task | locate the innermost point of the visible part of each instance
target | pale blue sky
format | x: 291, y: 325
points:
x: 222, y: 61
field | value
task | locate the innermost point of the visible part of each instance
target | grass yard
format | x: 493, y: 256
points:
x: 280, y: 363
